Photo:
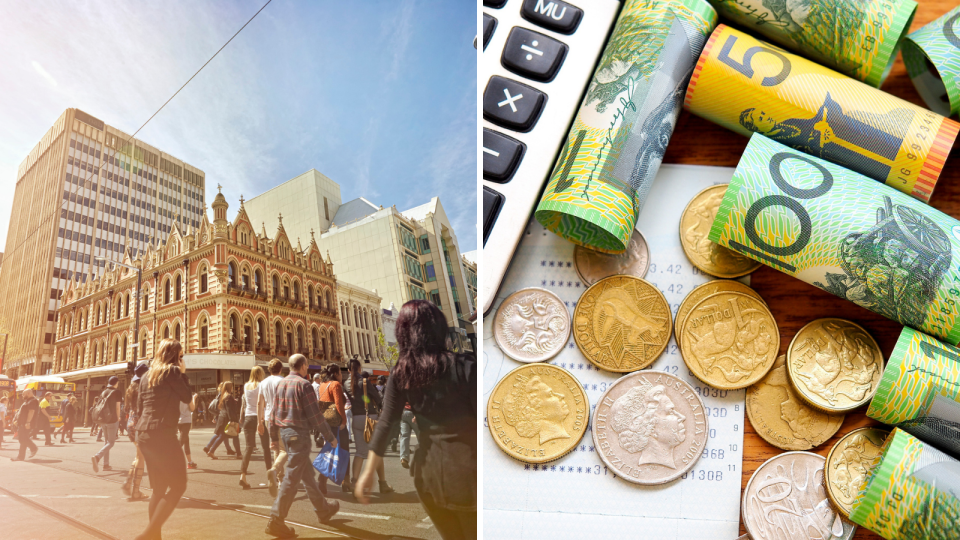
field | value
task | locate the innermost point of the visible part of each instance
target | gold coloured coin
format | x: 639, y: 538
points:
x: 730, y: 340
x: 695, y: 224
x: 702, y: 291
x: 784, y: 420
x: 849, y: 463
x: 834, y: 364
x: 538, y: 413
x: 622, y: 323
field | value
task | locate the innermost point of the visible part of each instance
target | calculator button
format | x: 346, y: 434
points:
x: 496, y: 4
x: 533, y: 55
x: 501, y: 155
x: 553, y: 15
x: 492, y: 201
x: 489, y: 23
x: 512, y: 105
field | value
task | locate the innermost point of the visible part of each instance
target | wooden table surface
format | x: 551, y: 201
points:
x: 794, y: 303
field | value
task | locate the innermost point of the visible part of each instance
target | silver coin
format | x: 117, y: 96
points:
x: 532, y: 325
x: 785, y: 499
x: 592, y: 266
x: 649, y: 427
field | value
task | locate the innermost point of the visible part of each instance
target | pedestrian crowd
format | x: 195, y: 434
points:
x: 431, y: 392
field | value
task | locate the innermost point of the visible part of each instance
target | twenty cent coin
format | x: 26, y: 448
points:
x: 782, y: 418
x: 695, y: 224
x: 592, y: 266
x: 622, y: 323
x: 649, y: 427
x: 834, y: 364
x: 702, y: 291
x: 785, y: 499
x: 730, y: 340
x: 532, y: 325
x: 538, y: 413
x: 849, y: 463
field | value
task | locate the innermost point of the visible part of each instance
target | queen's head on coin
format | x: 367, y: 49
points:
x: 533, y: 408
x: 647, y: 423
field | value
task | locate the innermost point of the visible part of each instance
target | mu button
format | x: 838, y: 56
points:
x: 512, y: 105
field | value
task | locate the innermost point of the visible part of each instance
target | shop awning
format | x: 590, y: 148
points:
x: 219, y: 361
x: 99, y: 371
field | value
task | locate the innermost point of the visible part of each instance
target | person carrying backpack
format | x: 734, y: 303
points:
x: 107, y: 414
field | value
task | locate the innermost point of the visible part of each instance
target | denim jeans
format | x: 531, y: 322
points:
x: 299, y: 470
x: 406, y: 426
x: 110, y: 437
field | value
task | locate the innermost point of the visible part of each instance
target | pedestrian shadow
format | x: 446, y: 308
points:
x: 378, y: 498
x: 340, y: 525
x: 42, y: 461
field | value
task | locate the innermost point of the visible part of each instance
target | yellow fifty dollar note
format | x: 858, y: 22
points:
x: 750, y: 86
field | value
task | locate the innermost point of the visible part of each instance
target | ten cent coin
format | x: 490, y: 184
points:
x: 783, y: 419
x: 702, y: 291
x: 592, y: 266
x: 730, y: 340
x: 532, y: 325
x: 695, y: 224
x: 849, y: 463
x: 622, y: 323
x: 785, y: 499
x: 649, y: 427
x: 537, y: 413
x: 834, y: 364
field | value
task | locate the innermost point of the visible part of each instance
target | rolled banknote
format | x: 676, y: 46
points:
x: 920, y: 390
x: 913, y: 492
x: 846, y: 234
x: 932, y: 56
x: 856, y: 37
x: 749, y: 87
x: 617, y: 141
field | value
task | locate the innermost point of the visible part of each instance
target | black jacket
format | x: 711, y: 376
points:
x: 159, y: 407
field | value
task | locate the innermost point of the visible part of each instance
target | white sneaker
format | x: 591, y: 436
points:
x: 96, y: 464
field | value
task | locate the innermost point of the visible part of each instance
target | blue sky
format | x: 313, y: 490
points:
x: 379, y: 96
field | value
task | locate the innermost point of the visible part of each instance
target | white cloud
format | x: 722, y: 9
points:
x: 398, y: 29
x: 43, y: 73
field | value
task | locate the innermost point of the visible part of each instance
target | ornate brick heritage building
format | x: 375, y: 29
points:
x: 234, y: 298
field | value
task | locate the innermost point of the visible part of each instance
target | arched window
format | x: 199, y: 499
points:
x: 286, y: 289
x: 126, y: 305
x: 245, y: 279
x: 247, y: 335
x: 300, y: 344
x: 143, y: 346
x: 316, y: 339
x: 166, y: 294
x: 146, y: 300
x: 176, y: 332
x: 178, y: 288
x: 296, y: 291
x: 116, y: 350
x: 123, y: 350
x: 329, y: 300
x: 261, y: 333
x: 99, y: 316
x: 310, y: 295
x: 166, y: 332
x: 119, y: 307
x: 234, y: 327
x: 203, y: 279
x: 276, y: 287
x: 278, y: 334
x: 290, y: 339
x: 203, y: 334
x: 258, y: 281
x: 232, y: 274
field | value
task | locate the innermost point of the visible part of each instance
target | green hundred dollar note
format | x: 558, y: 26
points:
x: 920, y: 390
x: 932, y: 56
x: 913, y: 492
x: 856, y: 37
x: 616, y: 144
x: 846, y: 234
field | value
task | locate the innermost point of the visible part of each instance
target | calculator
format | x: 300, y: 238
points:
x: 538, y: 57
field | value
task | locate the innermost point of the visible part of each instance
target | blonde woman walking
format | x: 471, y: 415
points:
x: 252, y: 412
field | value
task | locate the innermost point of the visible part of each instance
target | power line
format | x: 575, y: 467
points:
x: 96, y: 170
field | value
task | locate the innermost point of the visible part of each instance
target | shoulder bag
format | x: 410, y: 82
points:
x: 329, y: 410
x: 370, y: 425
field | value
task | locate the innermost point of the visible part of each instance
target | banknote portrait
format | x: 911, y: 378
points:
x: 535, y: 409
x: 647, y: 423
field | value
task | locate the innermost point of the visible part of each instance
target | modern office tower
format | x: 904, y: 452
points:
x: 402, y: 255
x: 86, y: 190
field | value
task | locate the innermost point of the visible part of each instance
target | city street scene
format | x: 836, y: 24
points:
x: 238, y: 283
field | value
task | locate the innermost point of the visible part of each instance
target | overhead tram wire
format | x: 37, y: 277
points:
x: 96, y: 170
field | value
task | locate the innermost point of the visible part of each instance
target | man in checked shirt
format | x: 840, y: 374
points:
x: 296, y: 411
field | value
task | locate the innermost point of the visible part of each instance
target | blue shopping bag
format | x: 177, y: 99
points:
x: 333, y: 462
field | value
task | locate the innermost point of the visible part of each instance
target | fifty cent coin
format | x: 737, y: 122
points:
x: 702, y: 291
x: 592, y: 266
x: 782, y: 418
x: 649, y: 427
x: 538, y: 413
x: 849, y: 464
x: 834, y: 364
x: 695, y: 224
x: 622, y: 323
x: 785, y: 499
x: 730, y: 340
x: 532, y: 325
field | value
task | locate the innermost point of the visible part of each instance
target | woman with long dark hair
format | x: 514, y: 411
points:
x: 441, y: 388
x: 366, y: 402
x: 162, y: 391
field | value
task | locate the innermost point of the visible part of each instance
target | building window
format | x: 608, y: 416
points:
x: 424, y: 244
x: 176, y: 332
x: 143, y: 347
x: 177, y: 292
x: 435, y: 298
x: 166, y: 332
x: 203, y: 279
x: 412, y: 266
x: 278, y: 333
x: 258, y: 281
x: 232, y: 274
x: 203, y: 334
x: 430, y: 271
x: 407, y: 239
x: 326, y: 209
x: 276, y: 286
x: 261, y: 333
x: 296, y: 291
x: 416, y: 293
x: 166, y: 296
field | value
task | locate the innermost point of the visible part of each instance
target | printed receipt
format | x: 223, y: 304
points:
x: 576, y: 494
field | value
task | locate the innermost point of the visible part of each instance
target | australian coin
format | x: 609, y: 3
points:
x: 785, y: 499
x: 730, y: 340
x: 622, y: 323
x: 695, y: 224
x: 782, y: 418
x: 849, y: 464
x: 538, y: 413
x: 702, y: 291
x: 532, y: 325
x: 593, y: 266
x: 834, y: 364
x: 649, y: 427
